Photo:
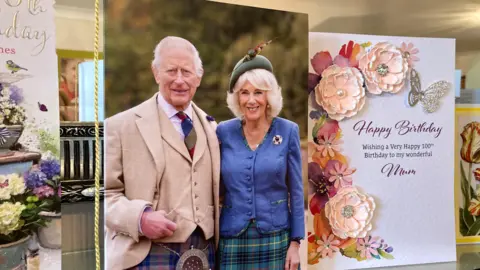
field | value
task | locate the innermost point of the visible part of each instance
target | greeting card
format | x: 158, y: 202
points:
x: 381, y: 127
x: 467, y: 173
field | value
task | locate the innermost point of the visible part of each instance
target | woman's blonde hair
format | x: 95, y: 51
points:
x: 263, y: 80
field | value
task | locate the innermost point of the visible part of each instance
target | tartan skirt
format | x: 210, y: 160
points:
x: 161, y: 256
x: 253, y: 250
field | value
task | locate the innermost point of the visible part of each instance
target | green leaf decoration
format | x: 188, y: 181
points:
x: 366, y: 44
x: 474, y: 229
x: 359, y: 258
x: 385, y: 255
x: 50, y: 183
x: 351, y: 251
x: 462, y: 226
x: 318, y: 125
x: 467, y: 217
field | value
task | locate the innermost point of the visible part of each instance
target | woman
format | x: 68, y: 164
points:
x: 262, y: 217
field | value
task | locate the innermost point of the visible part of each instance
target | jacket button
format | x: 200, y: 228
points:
x: 250, y: 157
x: 196, y: 208
x: 249, y: 167
x: 249, y: 189
x: 249, y: 201
x: 250, y: 213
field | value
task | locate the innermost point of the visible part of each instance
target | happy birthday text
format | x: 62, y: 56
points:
x: 402, y: 127
x: 18, y: 31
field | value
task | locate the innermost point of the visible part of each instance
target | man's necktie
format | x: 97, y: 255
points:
x: 189, y: 132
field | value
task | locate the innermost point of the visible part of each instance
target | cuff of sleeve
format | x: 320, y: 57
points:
x: 147, y: 208
x: 298, y: 228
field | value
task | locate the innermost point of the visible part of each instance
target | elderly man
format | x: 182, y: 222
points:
x: 162, y: 172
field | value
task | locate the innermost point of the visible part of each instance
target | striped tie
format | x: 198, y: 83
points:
x: 189, y: 132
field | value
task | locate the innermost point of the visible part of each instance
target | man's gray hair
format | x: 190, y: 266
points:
x: 176, y: 42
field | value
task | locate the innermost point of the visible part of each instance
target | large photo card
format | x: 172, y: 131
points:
x: 205, y: 113
x: 29, y: 136
x: 381, y: 127
x: 467, y: 174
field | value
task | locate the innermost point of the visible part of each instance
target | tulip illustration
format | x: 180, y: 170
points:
x: 470, y: 154
x: 470, y: 151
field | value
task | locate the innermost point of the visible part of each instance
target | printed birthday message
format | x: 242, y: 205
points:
x: 17, y: 30
x: 398, y: 151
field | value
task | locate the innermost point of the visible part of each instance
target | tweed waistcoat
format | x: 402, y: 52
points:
x: 186, y: 189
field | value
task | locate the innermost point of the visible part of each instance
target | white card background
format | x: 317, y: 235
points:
x: 415, y: 213
x: 38, y: 55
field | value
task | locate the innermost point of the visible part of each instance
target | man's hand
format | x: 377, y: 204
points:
x: 155, y: 225
x: 293, y: 256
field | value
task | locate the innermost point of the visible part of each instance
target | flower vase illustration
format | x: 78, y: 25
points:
x: 12, y: 113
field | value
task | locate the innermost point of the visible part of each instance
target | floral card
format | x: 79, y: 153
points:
x: 29, y: 131
x: 467, y: 173
x: 381, y: 127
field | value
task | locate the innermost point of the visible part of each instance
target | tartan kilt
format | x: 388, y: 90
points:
x: 160, y: 258
x: 252, y: 250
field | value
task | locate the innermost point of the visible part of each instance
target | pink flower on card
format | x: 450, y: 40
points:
x: 384, y: 68
x: 341, y: 175
x: 328, y: 146
x: 368, y: 246
x: 327, y: 246
x: 350, y: 213
x: 409, y: 52
x: 340, y: 92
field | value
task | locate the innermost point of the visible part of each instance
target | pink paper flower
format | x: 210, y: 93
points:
x: 341, y: 175
x: 385, y: 69
x: 328, y: 127
x: 327, y: 246
x: 409, y: 52
x: 368, y: 246
x: 350, y: 213
x: 329, y: 146
x: 341, y: 92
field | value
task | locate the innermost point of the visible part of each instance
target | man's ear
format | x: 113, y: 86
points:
x: 199, y: 79
x: 155, y: 73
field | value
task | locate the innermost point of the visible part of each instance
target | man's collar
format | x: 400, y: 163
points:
x: 170, y: 110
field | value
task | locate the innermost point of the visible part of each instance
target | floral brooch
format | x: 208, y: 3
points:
x: 277, y: 139
x: 210, y: 118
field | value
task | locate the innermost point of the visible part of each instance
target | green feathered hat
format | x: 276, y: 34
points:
x: 249, y: 62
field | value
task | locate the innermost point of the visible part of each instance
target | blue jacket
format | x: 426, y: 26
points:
x: 266, y: 184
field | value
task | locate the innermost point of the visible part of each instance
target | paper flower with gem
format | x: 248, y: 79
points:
x: 341, y: 92
x: 385, y: 69
x: 350, y: 213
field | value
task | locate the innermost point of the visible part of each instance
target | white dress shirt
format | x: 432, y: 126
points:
x: 171, y: 113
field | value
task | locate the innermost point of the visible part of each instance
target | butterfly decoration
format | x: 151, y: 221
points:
x: 430, y: 97
x: 4, y: 184
x: 4, y: 135
x: 42, y: 107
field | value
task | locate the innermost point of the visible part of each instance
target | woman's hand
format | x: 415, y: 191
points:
x: 293, y: 256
